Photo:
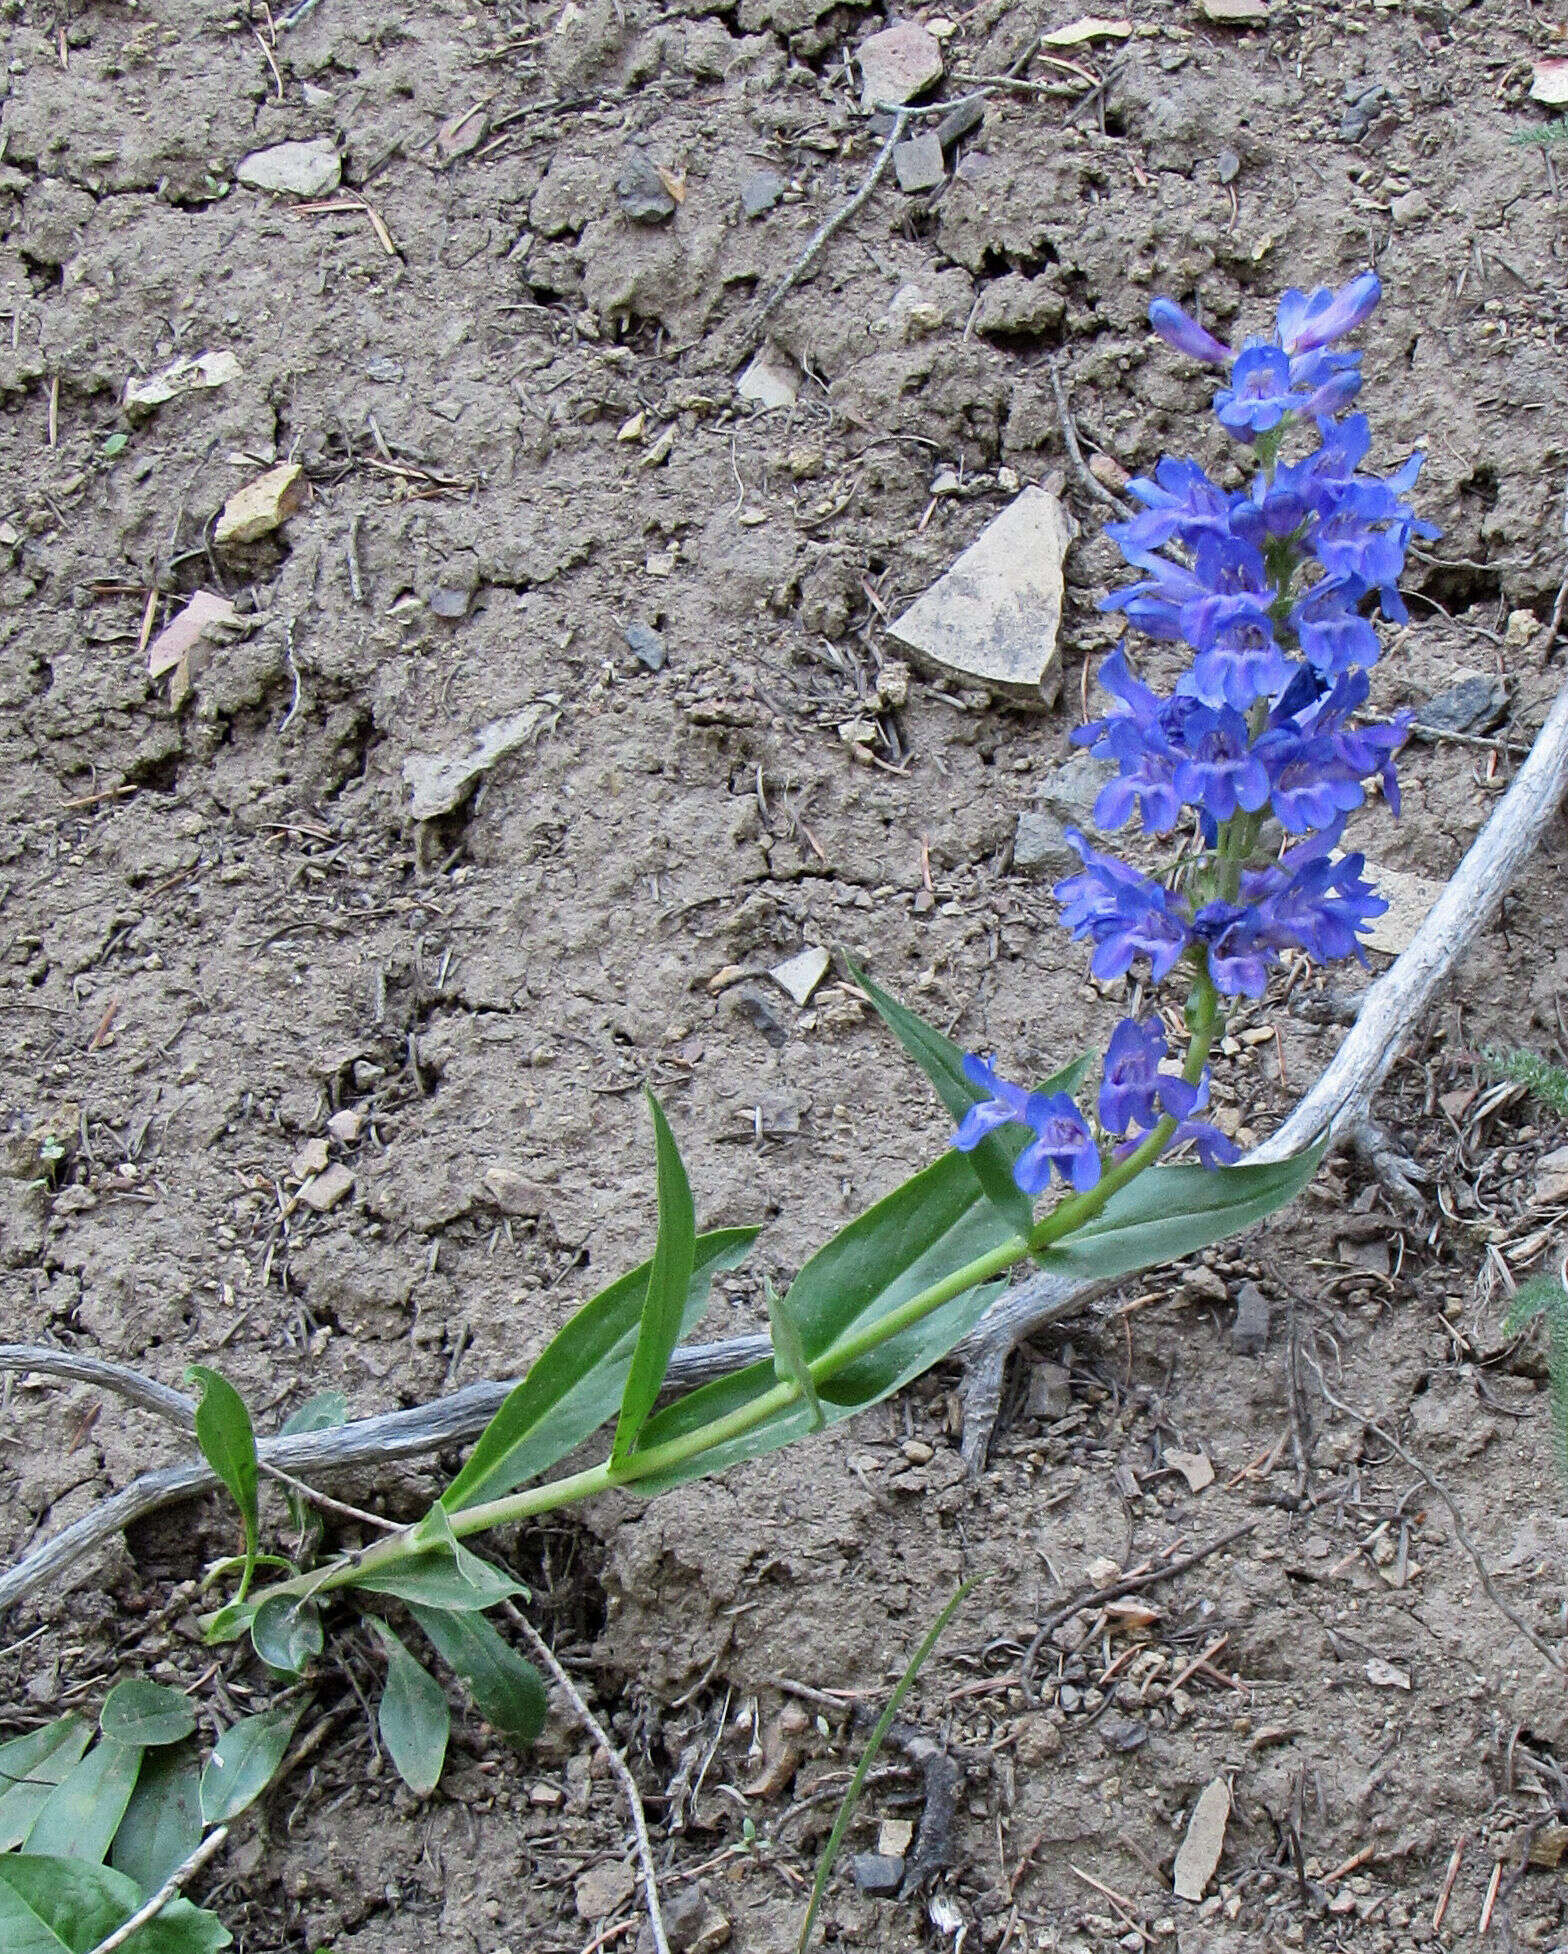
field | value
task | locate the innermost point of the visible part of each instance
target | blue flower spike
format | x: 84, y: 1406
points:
x: 1273, y: 585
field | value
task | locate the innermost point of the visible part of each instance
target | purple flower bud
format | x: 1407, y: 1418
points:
x: 1181, y: 330
x: 1328, y: 316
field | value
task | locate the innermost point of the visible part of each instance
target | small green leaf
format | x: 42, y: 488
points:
x: 414, y: 1719
x: 162, y: 1823
x: 81, y: 1816
x: 438, y: 1579
x: 228, y: 1624
x: 322, y: 1413
x: 115, y: 445
x: 49, y: 1904
x: 669, y: 1279
x: 228, y: 1443
x: 577, y: 1381
x: 508, y: 1691
x: 30, y: 1768
x: 286, y: 1632
x: 246, y: 1761
x: 789, y: 1353
x: 140, y: 1711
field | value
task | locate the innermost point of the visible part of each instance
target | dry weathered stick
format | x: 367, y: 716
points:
x: 392, y: 1435
x: 169, y: 1890
x: 750, y: 329
x: 618, y: 1764
x: 1340, y: 1100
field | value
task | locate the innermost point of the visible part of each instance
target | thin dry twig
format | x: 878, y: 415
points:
x: 1461, y: 1533
x: 1086, y: 475
x: 751, y: 329
x: 187, y: 1869
x: 1097, y: 1597
x: 618, y: 1764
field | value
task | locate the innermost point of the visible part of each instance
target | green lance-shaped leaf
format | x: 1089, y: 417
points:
x: 414, y: 1718
x: 674, y: 1256
x: 31, y: 1767
x: 943, y: 1064
x: 48, y: 1905
x: 81, y: 1816
x: 441, y: 1572
x: 245, y: 1762
x: 1168, y: 1212
x: 578, y: 1379
x: 228, y: 1442
x: 790, y: 1362
x: 508, y: 1691
x: 140, y: 1711
x: 857, y: 1784
x: 287, y: 1634
x: 935, y: 1225
x: 162, y: 1823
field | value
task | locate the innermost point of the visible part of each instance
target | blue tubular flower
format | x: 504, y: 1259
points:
x: 1310, y: 785
x: 1127, y: 915
x: 1062, y: 1142
x: 1061, y: 1134
x: 1155, y: 604
x: 1213, y: 1148
x: 1181, y: 330
x: 1006, y: 1104
x: 1260, y: 393
x: 1134, y: 1090
x: 1321, y: 907
x: 1307, y: 321
x: 1239, y: 958
x: 1220, y: 772
x: 1180, y: 504
x: 1338, y: 643
x: 1233, y: 587
x: 1241, y: 663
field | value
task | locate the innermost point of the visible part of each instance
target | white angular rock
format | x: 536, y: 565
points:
x: 1201, y: 1848
x: 294, y: 169
x: 993, y: 618
x: 801, y: 974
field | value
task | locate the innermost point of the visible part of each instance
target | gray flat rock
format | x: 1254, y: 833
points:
x: 294, y: 169
x: 1041, y: 847
x: 918, y: 163
x: 1475, y: 705
x: 642, y: 193
x: 759, y: 192
x: 440, y: 780
x: 994, y: 616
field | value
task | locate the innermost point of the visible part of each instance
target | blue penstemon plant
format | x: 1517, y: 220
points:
x: 1267, y: 585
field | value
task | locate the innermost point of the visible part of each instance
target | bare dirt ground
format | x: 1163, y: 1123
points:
x: 221, y: 925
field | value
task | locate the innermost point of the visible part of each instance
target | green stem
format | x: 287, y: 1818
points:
x: 655, y: 1460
